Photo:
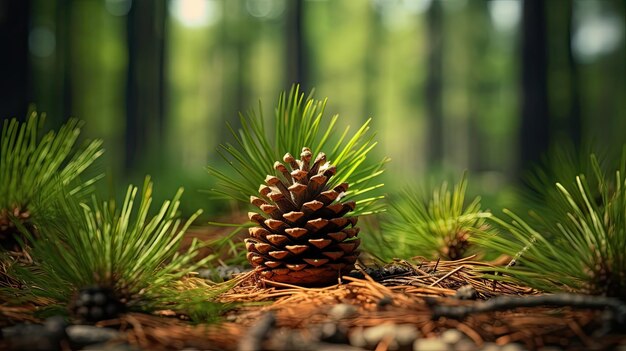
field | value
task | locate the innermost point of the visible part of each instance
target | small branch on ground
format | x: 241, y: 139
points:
x: 503, y: 303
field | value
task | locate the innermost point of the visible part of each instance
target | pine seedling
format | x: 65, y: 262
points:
x: 101, y: 260
x: 34, y: 167
x: 301, y: 235
x: 562, y: 164
x: 299, y: 122
x: 432, y: 224
x: 578, y: 246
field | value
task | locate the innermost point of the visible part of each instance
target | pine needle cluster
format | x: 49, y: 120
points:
x: 299, y: 122
x: 434, y: 224
x: 577, y: 246
x: 120, y: 249
x: 33, y: 166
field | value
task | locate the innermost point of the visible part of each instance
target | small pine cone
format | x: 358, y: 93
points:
x: 456, y: 246
x: 95, y: 304
x: 303, y: 237
x: 8, y: 230
x: 602, y: 280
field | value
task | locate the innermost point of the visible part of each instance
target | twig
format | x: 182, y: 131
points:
x: 447, y: 275
x: 503, y: 303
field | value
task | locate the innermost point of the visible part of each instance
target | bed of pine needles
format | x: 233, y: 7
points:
x: 271, y: 316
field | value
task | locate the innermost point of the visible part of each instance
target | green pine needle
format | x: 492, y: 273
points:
x: 299, y: 122
x: 562, y: 164
x: 578, y: 246
x: 123, y: 249
x: 31, y: 165
x: 426, y: 223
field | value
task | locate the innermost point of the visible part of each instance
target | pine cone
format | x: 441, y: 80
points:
x: 8, y: 231
x: 456, y: 246
x: 94, y: 304
x: 302, y: 237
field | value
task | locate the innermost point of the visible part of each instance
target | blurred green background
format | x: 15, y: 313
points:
x: 485, y: 86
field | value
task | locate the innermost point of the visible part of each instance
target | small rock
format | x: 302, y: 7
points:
x: 221, y: 272
x: 258, y: 333
x: 452, y: 336
x: 406, y: 335
x: 87, y: 334
x: 356, y: 337
x: 374, y: 335
x: 114, y: 347
x: 333, y: 333
x: 465, y: 345
x: 466, y: 292
x: 398, y: 336
x: 342, y: 310
x: 33, y: 337
x: 385, y: 301
x: 490, y: 346
x: 431, y: 344
x: 512, y: 347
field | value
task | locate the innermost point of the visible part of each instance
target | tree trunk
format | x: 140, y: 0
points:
x: 63, y: 66
x: 535, y: 124
x: 296, y: 46
x: 574, y: 120
x: 15, y: 73
x: 371, y: 64
x: 145, y: 93
x: 434, y: 107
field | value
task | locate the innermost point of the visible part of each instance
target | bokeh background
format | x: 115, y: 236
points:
x: 479, y: 85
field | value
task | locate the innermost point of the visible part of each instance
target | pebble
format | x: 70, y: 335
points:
x: 512, y: 347
x: 111, y: 347
x: 333, y: 333
x: 465, y: 345
x: 406, y: 335
x: 88, y: 335
x: 33, y: 337
x: 222, y: 272
x: 431, y: 344
x: 452, y: 336
x: 399, y: 336
x: 490, y: 346
x: 466, y: 292
x: 356, y: 337
x: 342, y: 310
x: 374, y: 335
x: 385, y: 301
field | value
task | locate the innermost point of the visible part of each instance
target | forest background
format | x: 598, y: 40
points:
x: 486, y: 86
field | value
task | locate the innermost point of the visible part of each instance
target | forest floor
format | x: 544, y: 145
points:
x: 405, y: 308
x: 440, y: 305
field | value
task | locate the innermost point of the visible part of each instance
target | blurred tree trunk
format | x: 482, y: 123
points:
x: 574, y: 122
x: 296, y: 45
x: 434, y: 107
x: 478, y: 83
x: 234, y: 43
x: 564, y: 94
x: 63, y: 59
x: 145, y: 80
x: 371, y: 63
x: 535, y: 124
x: 15, y: 73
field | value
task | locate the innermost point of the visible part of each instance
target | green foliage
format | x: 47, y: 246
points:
x: 298, y: 123
x: 561, y: 164
x: 32, y: 167
x: 433, y: 224
x: 122, y: 249
x: 578, y: 245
